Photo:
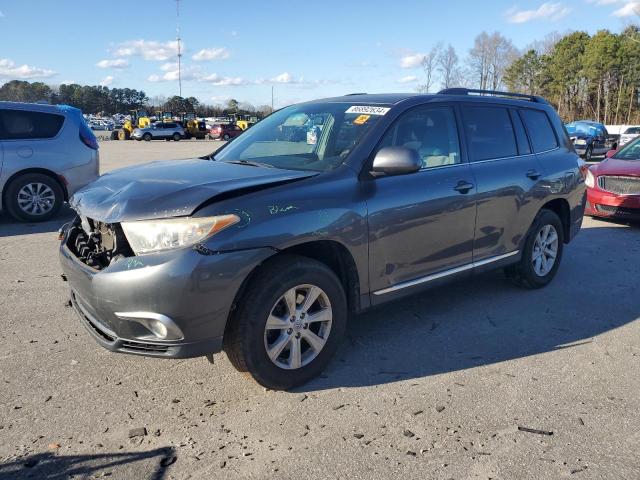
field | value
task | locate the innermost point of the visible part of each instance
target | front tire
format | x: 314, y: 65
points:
x: 176, y: 137
x: 33, y: 197
x: 541, y: 254
x: 288, y: 323
x: 226, y: 137
x: 588, y: 154
x: 146, y: 137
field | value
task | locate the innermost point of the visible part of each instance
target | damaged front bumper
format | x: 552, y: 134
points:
x: 172, y: 304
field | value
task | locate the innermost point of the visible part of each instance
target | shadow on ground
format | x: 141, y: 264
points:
x: 11, y: 228
x: 151, y: 465
x: 485, y: 320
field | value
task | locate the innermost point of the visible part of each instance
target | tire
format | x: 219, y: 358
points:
x: 588, y: 154
x: 167, y: 139
x: 147, y: 137
x: 226, y: 137
x: 246, y: 340
x: 51, y: 197
x: 123, y: 134
x: 526, y: 273
x: 176, y: 137
x: 114, y: 135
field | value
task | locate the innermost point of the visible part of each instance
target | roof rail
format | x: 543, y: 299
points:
x: 495, y: 93
x: 356, y: 93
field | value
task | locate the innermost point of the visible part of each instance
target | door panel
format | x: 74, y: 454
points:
x: 419, y: 223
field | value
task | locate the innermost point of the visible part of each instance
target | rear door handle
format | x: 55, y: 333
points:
x: 463, y: 186
x: 533, y: 174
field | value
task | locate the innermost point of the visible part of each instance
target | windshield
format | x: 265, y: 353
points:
x: 314, y: 137
x: 630, y: 151
x: 581, y: 129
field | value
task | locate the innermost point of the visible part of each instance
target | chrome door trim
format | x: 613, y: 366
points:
x: 445, y: 273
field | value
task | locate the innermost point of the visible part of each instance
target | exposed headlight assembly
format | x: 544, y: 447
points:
x: 580, y: 141
x: 146, y: 236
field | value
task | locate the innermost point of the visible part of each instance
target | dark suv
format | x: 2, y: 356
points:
x: 264, y: 248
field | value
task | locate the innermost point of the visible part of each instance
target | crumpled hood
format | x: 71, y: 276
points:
x: 169, y: 188
x: 612, y: 166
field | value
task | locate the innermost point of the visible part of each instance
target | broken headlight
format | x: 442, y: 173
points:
x: 147, y: 236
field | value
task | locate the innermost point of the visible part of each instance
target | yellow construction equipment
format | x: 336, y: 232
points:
x: 139, y: 119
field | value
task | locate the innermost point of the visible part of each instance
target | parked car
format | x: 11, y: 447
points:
x: 629, y: 134
x: 265, y: 247
x: 47, y: 152
x: 159, y: 131
x: 224, y: 131
x: 590, y: 138
x: 613, y: 185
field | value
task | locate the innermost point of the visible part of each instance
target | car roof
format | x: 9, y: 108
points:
x: 40, y: 107
x: 396, y: 98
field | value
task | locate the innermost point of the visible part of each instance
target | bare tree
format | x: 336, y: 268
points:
x: 429, y: 64
x: 489, y: 58
x: 447, y: 63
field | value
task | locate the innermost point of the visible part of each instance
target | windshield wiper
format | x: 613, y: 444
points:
x: 250, y: 163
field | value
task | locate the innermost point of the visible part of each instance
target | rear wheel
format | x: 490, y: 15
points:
x: 33, y: 197
x: 176, y: 137
x: 289, y: 322
x: 123, y: 134
x: 114, y: 135
x: 541, y: 254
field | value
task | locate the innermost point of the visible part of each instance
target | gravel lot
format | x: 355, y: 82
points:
x: 435, y: 386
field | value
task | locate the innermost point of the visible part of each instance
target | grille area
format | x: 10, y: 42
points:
x: 619, y: 184
x: 619, y: 211
x: 144, y: 347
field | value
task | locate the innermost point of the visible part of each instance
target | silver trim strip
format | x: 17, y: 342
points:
x: 445, y: 273
x: 145, y: 318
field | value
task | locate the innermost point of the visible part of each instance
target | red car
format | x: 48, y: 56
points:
x: 224, y: 131
x: 613, y: 185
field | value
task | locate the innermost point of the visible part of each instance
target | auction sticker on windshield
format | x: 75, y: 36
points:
x: 368, y: 110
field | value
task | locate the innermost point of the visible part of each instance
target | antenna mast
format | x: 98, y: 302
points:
x: 179, y: 50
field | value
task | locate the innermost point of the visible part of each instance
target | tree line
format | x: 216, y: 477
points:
x: 584, y: 76
x: 108, y: 101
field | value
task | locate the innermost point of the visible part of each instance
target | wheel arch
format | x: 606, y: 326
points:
x: 42, y: 171
x: 560, y: 207
x: 331, y: 253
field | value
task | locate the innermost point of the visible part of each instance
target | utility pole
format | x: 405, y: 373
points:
x: 179, y: 51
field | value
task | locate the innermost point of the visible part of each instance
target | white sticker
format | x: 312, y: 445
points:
x: 368, y: 110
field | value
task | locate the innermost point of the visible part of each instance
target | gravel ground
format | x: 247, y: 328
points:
x: 434, y: 386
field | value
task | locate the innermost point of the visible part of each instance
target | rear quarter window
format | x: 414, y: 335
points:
x: 21, y: 124
x: 489, y: 132
x: 540, y: 130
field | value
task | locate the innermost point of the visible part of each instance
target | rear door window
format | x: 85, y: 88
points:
x: 21, y: 124
x: 540, y: 130
x: 489, y: 132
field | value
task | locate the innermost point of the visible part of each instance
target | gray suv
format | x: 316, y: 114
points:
x: 324, y: 209
x: 47, y: 152
x: 159, y: 131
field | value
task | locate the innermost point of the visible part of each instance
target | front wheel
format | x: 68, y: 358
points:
x: 225, y: 137
x: 146, y: 137
x: 588, y: 154
x: 288, y: 324
x: 541, y: 254
x: 176, y: 137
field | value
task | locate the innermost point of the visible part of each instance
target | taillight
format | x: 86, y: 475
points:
x: 87, y: 137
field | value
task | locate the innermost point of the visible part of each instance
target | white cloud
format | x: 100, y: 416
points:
x: 215, y: 53
x: 408, y: 79
x: 108, y: 80
x: 284, y: 77
x: 148, y: 49
x: 67, y: 82
x: 411, y: 60
x: 113, y: 63
x: 8, y: 69
x: 218, y: 80
x: 630, y: 9
x: 546, y: 11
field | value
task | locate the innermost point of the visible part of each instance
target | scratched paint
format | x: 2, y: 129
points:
x: 277, y: 209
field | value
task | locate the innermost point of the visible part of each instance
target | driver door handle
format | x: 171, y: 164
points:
x: 533, y: 174
x: 463, y: 186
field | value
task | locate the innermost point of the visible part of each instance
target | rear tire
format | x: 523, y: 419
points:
x: 541, y: 254
x: 23, y: 190
x: 114, y: 135
x: 247, y: 338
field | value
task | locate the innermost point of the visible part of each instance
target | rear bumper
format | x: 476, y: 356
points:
x: 605, y: 204
x: 194, y: 291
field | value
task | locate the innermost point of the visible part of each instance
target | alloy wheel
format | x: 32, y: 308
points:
x: 545, y: 250
x: 36, y: 198
x: 298, y: 326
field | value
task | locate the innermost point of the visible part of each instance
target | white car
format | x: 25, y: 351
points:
x: 629, y: 133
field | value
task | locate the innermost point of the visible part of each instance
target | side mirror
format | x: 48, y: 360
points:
x: 396, y: 161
